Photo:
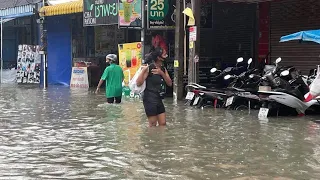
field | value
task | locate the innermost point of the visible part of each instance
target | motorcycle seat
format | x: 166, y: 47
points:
x: 294, y: 93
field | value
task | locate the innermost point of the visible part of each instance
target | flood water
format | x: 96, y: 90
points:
x: 68, y: 134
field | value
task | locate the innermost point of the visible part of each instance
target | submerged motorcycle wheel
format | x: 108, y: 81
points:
x: 241, y: 108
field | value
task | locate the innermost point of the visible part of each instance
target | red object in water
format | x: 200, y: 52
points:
x: 301, y: 115
x: 134, y: 61
x: 215, y: 103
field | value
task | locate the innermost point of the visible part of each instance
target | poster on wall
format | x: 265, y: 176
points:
x: 79, y: 77
x: 130, y: 59
x: 161, y: 14
x: 28, y: 64
x: 130, y: 13
x: 100, y: 12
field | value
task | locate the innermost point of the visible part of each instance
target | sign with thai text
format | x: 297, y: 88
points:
x: 161, y: 14
x: 193, y: 33
x: 79, y: 78
x: 100, y: 12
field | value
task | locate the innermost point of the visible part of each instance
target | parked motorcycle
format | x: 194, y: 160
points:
x: 287, y: 94
x: 242, y: 91
x: 214, y: 95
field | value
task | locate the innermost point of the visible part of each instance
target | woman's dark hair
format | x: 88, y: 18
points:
x: 153, y: 55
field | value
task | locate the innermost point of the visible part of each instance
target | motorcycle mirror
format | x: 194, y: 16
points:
x: 227, y: 77
x: 239, y: 60
x: 278, y: 60
x: 250, y: 61
x: 213, y: 70
x: 285, y: 73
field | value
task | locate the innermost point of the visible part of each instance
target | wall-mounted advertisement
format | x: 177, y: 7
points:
x: 100, y: 12
x: 28, y: 64
x: 130, y: 59
x: 130, y: 13
x: 161, y: 14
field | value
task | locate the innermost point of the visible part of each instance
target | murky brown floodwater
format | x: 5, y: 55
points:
x: 64, y: 134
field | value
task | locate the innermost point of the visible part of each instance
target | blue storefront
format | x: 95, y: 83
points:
x: 65, y: 39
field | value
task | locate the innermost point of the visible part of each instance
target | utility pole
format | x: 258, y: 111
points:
x: 43, y: 44
x: 194, y: 44
x: 43, y: 50
x: 179, y: 50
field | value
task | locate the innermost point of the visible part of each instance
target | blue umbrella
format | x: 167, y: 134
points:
x: 311, y: 35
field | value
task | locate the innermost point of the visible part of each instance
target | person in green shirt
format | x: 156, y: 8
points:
x: 113, y: 74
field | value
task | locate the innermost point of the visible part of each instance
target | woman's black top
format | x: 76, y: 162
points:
x: 155, y: 84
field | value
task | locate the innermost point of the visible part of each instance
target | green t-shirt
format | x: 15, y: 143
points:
x: 114, y: 77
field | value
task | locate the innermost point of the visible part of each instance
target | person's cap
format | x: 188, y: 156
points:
x: 112, y: 57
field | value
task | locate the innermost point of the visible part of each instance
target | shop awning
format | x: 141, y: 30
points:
x: 311, y: 35
x: 15, y: 12
x: 61, y: 9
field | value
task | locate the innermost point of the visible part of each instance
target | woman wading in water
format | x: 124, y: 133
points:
x: 156, y: 77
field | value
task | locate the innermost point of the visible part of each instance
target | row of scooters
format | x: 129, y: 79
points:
x: 274, y: 90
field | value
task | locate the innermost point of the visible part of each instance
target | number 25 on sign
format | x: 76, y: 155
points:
x: 158, y: 9
x: 157, y: 5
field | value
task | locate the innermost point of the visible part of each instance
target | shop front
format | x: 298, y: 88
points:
x: 287, y: 17
x: 228, y: 31
x: 72, y: 43
x: 80, y: 34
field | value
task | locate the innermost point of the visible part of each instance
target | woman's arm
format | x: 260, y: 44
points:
x: 143, y: 75
x: 167, y: 78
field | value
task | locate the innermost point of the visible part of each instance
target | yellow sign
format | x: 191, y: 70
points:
x: 188, y: 12
x: 130, y: 58
x: 176, y: 63
x: 191, y: 22
x: 191, y: 44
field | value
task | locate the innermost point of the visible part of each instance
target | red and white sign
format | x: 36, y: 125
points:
x: 193, y: 33
x: 79, y: 77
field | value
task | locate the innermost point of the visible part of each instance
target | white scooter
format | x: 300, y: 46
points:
x: 286, y: 98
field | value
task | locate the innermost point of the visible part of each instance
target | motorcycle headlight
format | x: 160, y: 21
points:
x: 285, y: 73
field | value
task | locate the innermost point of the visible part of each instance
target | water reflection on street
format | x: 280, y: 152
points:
x: 71, y: 134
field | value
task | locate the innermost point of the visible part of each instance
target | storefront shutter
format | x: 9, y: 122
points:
x: 290, y: 16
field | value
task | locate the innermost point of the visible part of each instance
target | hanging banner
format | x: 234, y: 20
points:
x: 79, y: 77
x: 28, y: 64
x: 161, y: 14
x: 100, y: 12
x: 130, y: 13
x: 130, y: 59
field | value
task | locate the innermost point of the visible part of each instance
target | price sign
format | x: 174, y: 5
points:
x: 161, y: 14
